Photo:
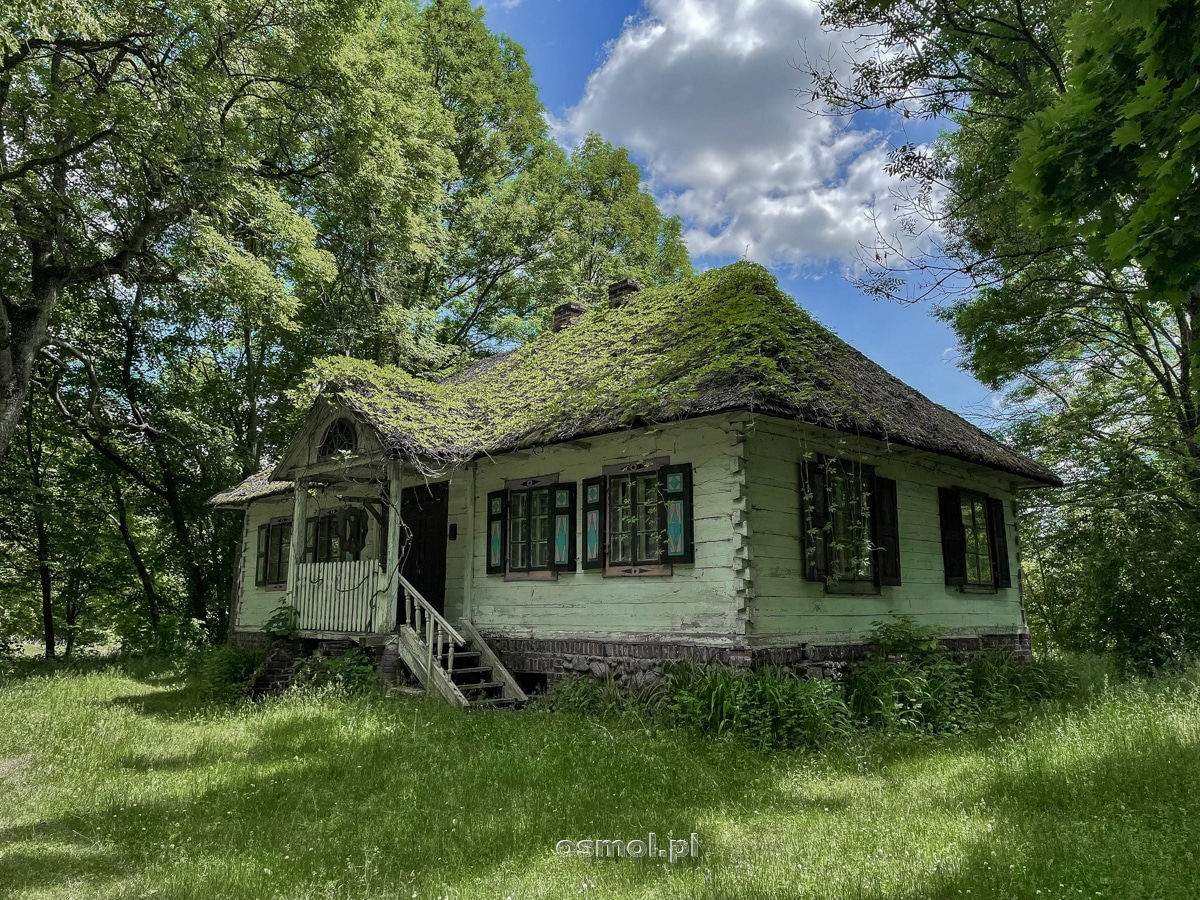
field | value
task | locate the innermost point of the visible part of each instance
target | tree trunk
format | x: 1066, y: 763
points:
x: 153, y: 604
x: 43, y: 555
x: 22, y: 336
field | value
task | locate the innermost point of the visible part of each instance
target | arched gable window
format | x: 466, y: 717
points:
x: 339, y: 439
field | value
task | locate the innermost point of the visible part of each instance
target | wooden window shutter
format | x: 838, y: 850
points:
x: 814, y: 520
x: 593, y: 523
x: 886, y: 525
x: 998, y: 539
x: 562, y: 520
x: 310, y: 539
x: 284, y: 537
x: 264, y: 545
x: 497, y: 531
x: 954, y: 536
x: 675, y: 491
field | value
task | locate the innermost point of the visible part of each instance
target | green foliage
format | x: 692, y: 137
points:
x: 1064, y: 188
x: 353, y: 672
x: 225, y: 674
x: 768, y: 709
x: 284, y: 623
x: 907, y: 684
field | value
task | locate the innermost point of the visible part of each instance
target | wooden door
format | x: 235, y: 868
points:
x: 424, y: 512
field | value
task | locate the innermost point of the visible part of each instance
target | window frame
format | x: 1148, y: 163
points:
x: 817, y: 526
x: 975, y: 500
x: 662, y: 470
x: 327, y: 523
x: 341, y: 422
x: 526, y: 489
x: 278, y: 532
x: 956, y: 549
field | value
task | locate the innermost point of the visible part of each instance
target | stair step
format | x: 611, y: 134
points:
x: 470, y: 670
x: 494, y: 702
x: 480, y: 686
x: 458, y: 654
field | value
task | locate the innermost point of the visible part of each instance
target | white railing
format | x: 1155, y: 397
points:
x: 434, y: 634
x: 340, y: 597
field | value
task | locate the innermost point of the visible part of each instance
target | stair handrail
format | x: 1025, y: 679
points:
x: 421, y: 612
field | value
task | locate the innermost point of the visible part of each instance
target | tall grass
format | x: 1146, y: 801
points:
x: 115, y: 786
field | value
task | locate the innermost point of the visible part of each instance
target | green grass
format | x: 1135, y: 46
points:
x: 116, y: 785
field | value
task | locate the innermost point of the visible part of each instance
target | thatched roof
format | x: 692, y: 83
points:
x: 725, y: 340
x: 255, y: 487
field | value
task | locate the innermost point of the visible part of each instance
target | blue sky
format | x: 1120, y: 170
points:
x: 703, y: 93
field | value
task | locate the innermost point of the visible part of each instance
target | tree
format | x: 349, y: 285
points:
x: 1057, y: 261
x: 123, y: 125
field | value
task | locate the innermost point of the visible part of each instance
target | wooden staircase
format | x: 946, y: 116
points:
x: 455, y: 662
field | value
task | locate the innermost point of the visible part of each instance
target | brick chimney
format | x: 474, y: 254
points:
x: 566, y: 315
x: 625, y: 286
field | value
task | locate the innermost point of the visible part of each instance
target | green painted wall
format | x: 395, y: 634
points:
x: 785, y: 609
x: 255, y: 604
x: 696, y: 604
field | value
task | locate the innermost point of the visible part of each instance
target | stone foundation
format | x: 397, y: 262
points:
x: 636, y: 664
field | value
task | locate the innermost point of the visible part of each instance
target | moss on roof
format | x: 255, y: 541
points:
x: 255, y: 487
x: 726, y: 339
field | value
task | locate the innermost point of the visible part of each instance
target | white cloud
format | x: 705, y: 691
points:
x: 703, y: 92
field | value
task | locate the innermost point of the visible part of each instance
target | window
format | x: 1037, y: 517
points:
x: 974, y: 540
x: 633, y: 529
x: 274, y: 552
x: 336, y: 535
x: 531, y: 528
x: 637, y: 518
x: 978, y: 548
x: 850, y: 533
x: 339, y: 439
x: 850, y: 521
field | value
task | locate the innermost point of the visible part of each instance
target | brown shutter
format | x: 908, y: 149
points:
x: 675, y: 512
x: 593, y: 523
x: 264, y: 545
x: 497, y: 532
x: 954, y: 536
x: 814, y: 520
x: 285, y: 551
x: 998, y: 541
x: 887, y: 531
x: 563, y: 549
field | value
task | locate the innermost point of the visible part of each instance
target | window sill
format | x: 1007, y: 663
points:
x: 977, y: 589
x: 532, y: 575
x: 272, y: 587
x: 857, y: 588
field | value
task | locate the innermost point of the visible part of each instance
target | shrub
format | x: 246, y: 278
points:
x: 225, y: 674
x: 768, y: 708
x: 353, y: 672
x: 283, y: 624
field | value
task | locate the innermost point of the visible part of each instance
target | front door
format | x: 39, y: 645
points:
x: 424, y: 511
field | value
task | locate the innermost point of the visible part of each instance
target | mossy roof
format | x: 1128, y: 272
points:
x: 723, y: 340
x: 255, y: 487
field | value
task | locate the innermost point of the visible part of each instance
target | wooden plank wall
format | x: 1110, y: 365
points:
x: 787, y: 610
x: 257, y: 603
x: 697, y: 604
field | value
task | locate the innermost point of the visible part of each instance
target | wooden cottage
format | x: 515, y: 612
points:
x: 693, y: 471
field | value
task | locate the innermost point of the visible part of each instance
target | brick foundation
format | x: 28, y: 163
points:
x: 636, y: 664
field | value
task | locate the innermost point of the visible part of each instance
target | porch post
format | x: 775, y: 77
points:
x: 391, y: 600
x: 469, y: 549
x: 296, y: 551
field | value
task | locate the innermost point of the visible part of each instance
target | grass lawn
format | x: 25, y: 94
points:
x: 119, y: 786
